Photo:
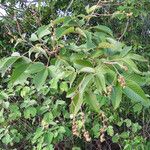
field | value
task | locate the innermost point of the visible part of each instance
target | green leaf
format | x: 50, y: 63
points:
x: 91, y: 99
x: 34, y: 68
x: 124, y: 135
x: 101, y: 84
x: 92, y: 9
x: 48, y: 117
x: 128, y: 122
x: 18, y: 72
x: 137, y: 108
x: 43, y: 31
x: 137, y: 57
x: 80, y: 31
x: 97, y: 53
x: 7, y: 63
x: 131, y: 64
x: 58, y: 20
x: 125, y: 51
x: 134, y: 92
x: 85, y: 82
x: 89, y: 43
x: 49, y: 137
x: 3, y: 95
x: 54, y: 83
x: 62, y: 31
x: 110, y: 130
x: 7, y: 139
x: 30, y: 112
x: 63, y: 86
x: 39, y: 132
x: 87, y: 70
x: 84, y: 63
x: 116, y: 96
x: 71, y: 92
x: 104, y: 29
x: 33, y: 37
x: 40, y: 78
x: 105, y: 45
x: 77, y: 100
x: 76, y: 103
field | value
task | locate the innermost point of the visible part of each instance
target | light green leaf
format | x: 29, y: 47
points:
x: 7, y: 63
x: 48, y: 117
x: 43, y: 31
x: 91, y: 99
x: 104, y: 29
x: 58, y: 20
x: 39, y: 132
x: 87, y: 70
x: 62, y: 31
x: 40, y: 78
x: 33, y: 37
x: 84, y: 63
x: 63, y: 86
x: 131, y: 64
x: 91, y: 9
x: 125, y: 51
x: 7, y: 139
x: 34, y: 67
x: 76, y: 103
x: 116, y: 96
x: 137, y: 57
x: 134, y: 92
x: 30, y: 112
x: 80, y: 31
x: 85, y: 82
x: 110, y: 130
x: 49, y: 137
x: 101, y: 84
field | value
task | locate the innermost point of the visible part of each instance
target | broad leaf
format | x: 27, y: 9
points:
x: 7, y: 63
x: 40, y: 78
x: 116, y: 96
x: 136, y: 57
x: 91, y: 99
x: 34, y: 68
x: 33, y: 37
x: 84, y: 63
x: 62, y: 31
x: 84, y: 83
x: 134, y: 92
x: 18, y: 72
x: 131, y: 64
x: 87, y: 70
x: 43, y: 31
x: 76, y: 103
x: 104, y: 29
x: 100, y: 82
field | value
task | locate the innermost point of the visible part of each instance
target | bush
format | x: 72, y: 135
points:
x: 74, y: 81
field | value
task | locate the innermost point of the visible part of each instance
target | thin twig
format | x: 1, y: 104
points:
x: 70, y: 4
x: 125, y: 29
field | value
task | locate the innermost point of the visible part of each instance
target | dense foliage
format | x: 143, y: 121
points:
x: 68, y: 81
